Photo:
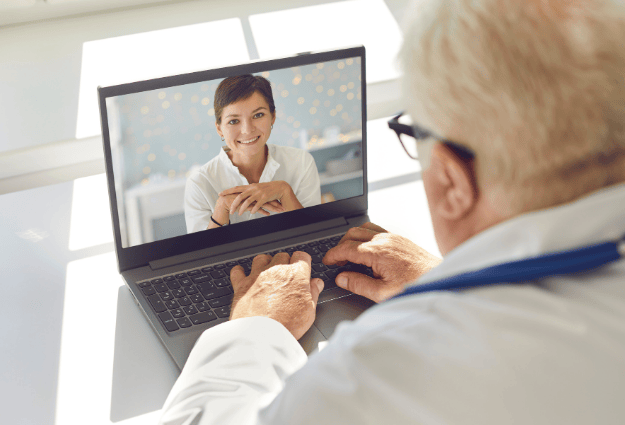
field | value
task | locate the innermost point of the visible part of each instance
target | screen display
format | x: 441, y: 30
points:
x: 215, y: 153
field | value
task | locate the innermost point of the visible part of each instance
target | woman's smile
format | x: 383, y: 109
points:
x: 249, y: 141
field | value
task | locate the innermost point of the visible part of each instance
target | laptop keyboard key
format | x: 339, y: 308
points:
x: 191, y: 290
x: 203, y: 317
x: 223, y: 312
x: 157, y: 304
x: 218, y: 274
x: 184, y: 322
x: 193, y: 273
x: 168, y: 321
x: 202, y: 307
x: 160, y: 287
x: 169, y: 278
x: 221, y: 302
x: 159, y: 280
x: 216, y: 293
x: 325, y: 247
x: 313, y: 243
x: 177, y: 313
x: 219, y: 266
x: 181, y: 275
x: 186, y: 282
x: 207, y: 269
x: 319, y: 267
x: 143, y: 284
x: 172, y: 304
x: 149, y: 290
x: 173, y: 284
x: 178, y: 293
x: 221, y: 282
x: 184, y: 301
x: 200, y: 279
x: 336, y: 238
x: 197, y: 298
x: 189, y: 309
x: 166, y: 296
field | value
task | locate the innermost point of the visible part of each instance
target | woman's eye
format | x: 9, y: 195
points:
x: 233, y: 122
x: 260, y: 114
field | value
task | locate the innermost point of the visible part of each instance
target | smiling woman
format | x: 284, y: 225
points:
x: 249, y: 178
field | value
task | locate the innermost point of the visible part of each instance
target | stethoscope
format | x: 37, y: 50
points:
x: 553, y: 264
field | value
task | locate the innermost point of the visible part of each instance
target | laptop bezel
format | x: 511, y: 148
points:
x: 140, y: 255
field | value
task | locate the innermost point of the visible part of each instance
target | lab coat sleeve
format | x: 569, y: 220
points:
x: 235, y: 369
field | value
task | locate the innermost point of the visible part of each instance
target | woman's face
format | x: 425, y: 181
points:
x: 246, y: 125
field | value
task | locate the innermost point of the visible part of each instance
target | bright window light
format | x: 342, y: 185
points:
x: 329, y: 26
x: 91, y: 223
x: 383, y: 148
x: 88, y: 344
x: 153, y: 54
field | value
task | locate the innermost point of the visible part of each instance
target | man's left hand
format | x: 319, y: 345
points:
x: 279, y: 288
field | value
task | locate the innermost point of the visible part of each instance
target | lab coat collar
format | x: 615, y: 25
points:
x: 592, y: 219
x: 268, y: 172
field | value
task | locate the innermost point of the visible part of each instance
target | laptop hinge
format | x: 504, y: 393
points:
x: 248, y: 243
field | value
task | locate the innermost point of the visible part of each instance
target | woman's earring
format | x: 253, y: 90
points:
x: 223, y: 139
x: 272, y: 126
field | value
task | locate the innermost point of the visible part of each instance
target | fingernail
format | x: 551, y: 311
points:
x: 320, y: 285
x: 341, y: 281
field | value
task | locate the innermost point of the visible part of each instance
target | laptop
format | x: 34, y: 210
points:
x: 160, y: 134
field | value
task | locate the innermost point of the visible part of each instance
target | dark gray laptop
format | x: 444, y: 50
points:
x: 160, y: 133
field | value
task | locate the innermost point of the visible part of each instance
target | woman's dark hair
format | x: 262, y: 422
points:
x: 241, y: 87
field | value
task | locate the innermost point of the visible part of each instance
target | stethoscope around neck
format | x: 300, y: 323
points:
x: 548, y: 265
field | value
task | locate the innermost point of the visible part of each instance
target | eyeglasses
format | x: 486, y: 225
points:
x: 410, y: 135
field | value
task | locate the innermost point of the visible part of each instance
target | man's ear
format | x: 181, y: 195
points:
x: 455, y: 183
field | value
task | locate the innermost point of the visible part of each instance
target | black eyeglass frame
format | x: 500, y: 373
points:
x: 419, y: 133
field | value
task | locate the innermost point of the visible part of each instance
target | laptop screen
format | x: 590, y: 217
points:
x: 274, y: 141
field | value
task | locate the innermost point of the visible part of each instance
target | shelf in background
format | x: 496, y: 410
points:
x: 329, y: 179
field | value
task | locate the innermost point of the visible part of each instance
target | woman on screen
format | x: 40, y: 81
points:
x: 249, y: 178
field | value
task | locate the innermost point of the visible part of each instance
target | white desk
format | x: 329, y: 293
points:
x: 75, y: 348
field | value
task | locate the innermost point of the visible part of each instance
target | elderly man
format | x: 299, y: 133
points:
x: 525, y: 105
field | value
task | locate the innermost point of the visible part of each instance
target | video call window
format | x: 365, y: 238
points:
x: 170, y: 163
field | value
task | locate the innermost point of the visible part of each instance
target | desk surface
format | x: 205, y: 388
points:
x: 75, y: 345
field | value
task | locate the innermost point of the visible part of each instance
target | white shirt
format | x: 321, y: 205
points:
x: 294, y: 166
x: 545, y: 352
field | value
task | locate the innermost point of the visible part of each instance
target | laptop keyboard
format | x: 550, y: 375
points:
x: 201, y: 295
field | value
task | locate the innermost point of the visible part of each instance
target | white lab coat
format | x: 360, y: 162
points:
x: 294, y: 166
x: 545, y: 352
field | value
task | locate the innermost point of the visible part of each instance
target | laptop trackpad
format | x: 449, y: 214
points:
x: 332, y: 312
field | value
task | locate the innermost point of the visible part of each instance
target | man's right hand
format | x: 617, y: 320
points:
x: 395, y: 260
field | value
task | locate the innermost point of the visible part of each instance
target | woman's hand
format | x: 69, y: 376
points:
x: 253, y: 197
x: 223, y: 208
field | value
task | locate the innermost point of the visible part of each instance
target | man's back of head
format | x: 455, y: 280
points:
x: 535, y: 88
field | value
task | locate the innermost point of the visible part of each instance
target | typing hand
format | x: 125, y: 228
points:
x: 279, y: 288
x: 395, y: 260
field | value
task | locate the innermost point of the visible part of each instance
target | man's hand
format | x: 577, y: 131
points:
x: 279, y: 288
x: 395, y: 260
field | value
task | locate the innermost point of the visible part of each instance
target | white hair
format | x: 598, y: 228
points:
x: 534, y: 87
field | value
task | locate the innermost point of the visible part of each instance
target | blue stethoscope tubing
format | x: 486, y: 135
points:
x: 554, y: 264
